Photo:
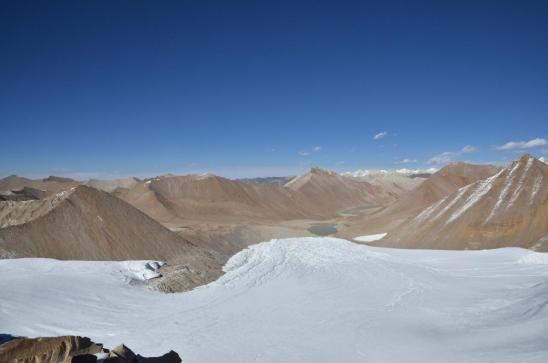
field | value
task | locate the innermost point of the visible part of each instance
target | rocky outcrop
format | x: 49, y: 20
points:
x: 47, y: 350
x: 122, y: 354
x: 73, y: 349
x: 27, y: 193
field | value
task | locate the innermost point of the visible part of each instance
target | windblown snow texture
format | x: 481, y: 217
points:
x: 299, y: 300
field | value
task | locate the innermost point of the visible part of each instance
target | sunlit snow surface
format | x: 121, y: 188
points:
x: 370, y: 237
x: 300, y: 300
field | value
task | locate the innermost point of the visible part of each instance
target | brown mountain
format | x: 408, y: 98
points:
x: 277, y: 180
x: 395, y: 184
x: 85, y: 223
x: 437, y: 186
x: 315, y: 195
x: 324, y: 191
x: 440, y: 184
x: 227, y: 215
x: 509, y: 208
x: 172, y: 199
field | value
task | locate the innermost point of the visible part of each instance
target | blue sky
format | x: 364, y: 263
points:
x: 116, y: 88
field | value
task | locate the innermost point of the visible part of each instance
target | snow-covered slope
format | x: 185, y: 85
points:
x: 370, y: 237
x: 300, y: 300
x: 359, y: 173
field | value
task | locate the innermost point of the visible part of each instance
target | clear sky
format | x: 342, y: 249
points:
x: 117, y: 88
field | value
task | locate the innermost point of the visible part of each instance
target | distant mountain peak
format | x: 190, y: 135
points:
x: 525, y: 158
x: 321, y: 171
x: 206, y: 176
x: 376, y: 172
x: 60, y: 179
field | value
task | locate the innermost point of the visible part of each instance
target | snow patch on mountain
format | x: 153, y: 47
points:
x: 427, y: 212
x: 370, y: 237
x: 373, y: 172
x: 519, y: 188
x: 455, y: 199
x: 479, y: 190
x: 508, y: 183
x: 536, y: 188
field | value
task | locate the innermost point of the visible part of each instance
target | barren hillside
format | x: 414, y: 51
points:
x: 324, y: 190
x: 85, y: 223
x: 436, y: 187
x: 394, y: 183
x: 509, y: 208
x: 316, y: 195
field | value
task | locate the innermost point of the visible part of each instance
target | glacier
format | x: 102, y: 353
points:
x: 298, y: 300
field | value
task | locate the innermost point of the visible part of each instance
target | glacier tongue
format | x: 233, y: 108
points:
x: 299, y: 300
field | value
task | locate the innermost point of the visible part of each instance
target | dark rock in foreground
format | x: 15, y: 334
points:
x: 72, y: 349
x: 122, y: 354
x: 47, y: 350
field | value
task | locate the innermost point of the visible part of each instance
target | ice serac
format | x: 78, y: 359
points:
x: 509, y: 208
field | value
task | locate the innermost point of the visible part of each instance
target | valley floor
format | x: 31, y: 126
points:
x: 299, y: 300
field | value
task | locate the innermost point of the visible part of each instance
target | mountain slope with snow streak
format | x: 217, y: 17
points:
x: 300, y: 300
x: 438, y: 186
x: 509, y: 208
